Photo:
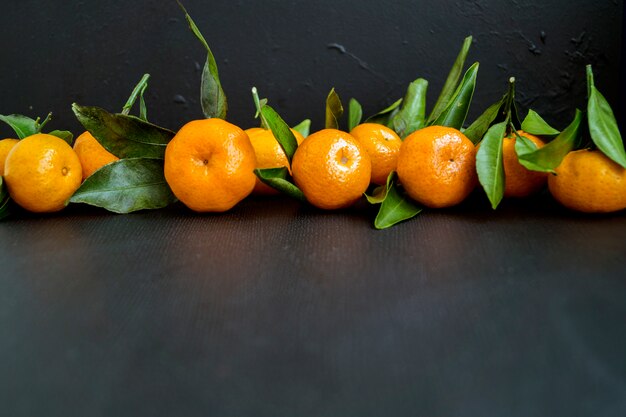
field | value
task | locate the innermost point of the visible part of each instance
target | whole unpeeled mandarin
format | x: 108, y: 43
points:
x: 42, y: 172
x: 382, y: 145
x: 437, y: 166
x: 209, y: 165
x: 590, y: 182
x: 92, y: 154
x: 519, y: 181
x: 332, y: 169
x: 269, y: 154
x: 5, y: 146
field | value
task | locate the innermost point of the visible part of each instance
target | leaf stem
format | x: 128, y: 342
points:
x: 139, y: 89
x: 259, y: 106
x: 45, y: 122
x: 513, y: 129
x: 508, y: 106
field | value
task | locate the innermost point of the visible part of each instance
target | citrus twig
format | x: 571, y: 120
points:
x: 259, y: 104
x: 509, y: 105
x: 139, y: 89
x: 45, y: 122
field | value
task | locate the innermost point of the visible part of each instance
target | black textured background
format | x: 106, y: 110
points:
x: 55, y: 53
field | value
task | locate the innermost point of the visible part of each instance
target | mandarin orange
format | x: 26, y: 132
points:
x: 42, y: 172
x: 5, y: 147
x: 437, y: 166
x: 92, y: 154
x: 209, y: 165
x: 519, y: 181
x: 382, y: 145
x: 332, y: 169
x: 590, y: 182
x: 269, y: 154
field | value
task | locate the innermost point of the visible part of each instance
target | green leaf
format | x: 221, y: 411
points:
x: 124, y: 136
x: 5, y: 201
x: 477, y: 130
x: 447, y: 92
x: 602, y: 124
x: 378, y: 195
x: 126, y: 185
x: 281, y: 131
x: 22, y: 125
x: 535, y: 125
x: 304, y: 127
x: 385, y: 116
x: 65, y: 135
x: 549, y: 156
x: 394, y: 206
x: 334, y: 110
x: 412, y: 114
x: 455, y: 113
x: 355, y: 114
x: 277, y: 179
x: 395, y: 209
x: 143, y: 110
x: 489, y: 163
x: 523, y: 145
x: 212, y: 95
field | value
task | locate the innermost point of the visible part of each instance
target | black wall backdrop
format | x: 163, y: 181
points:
x: 93, y: 53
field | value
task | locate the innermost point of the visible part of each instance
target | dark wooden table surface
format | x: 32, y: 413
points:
x: 276, y: 309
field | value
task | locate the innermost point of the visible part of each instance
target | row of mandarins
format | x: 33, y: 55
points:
x: 209, y: 165
x: 124, y: 163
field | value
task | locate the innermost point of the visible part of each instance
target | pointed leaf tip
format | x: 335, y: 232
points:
x: 334, y: 110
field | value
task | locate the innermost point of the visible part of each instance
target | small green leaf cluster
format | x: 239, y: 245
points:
x: 408, y: 114
x: 24, y: 126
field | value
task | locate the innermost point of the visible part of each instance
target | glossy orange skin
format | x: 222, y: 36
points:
x: 209, y: 165
x: 332, y: 169
x: 519, y: 181
x: 5, y: 147
x: 382, y: 145
x: 437, y: 166
x: 590, y: 182
x: 42, y: 172
x: 92, y: 154
x: 269, y: 154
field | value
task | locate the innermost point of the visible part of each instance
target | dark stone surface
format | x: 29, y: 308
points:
x: 55, y: 53
x: 275, y: 309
